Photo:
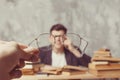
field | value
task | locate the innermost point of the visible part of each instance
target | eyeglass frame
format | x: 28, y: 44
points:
x: 80, y: 38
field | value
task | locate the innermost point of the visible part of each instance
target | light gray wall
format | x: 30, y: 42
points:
x: 98, y: 21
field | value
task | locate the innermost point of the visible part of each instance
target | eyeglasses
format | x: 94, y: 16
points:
x: 42, y: 40
x: 61, y: 36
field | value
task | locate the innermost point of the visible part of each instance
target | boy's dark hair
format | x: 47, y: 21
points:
x: 58, y: 27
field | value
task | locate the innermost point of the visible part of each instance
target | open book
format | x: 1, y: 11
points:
x: 33, y: 68
x: 66, y: 70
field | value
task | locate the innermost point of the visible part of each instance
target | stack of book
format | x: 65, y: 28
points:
x: 103, y: 63
x: 102, y: 53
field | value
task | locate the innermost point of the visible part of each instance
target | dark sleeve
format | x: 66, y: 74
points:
x: 45, y: 55
x: 84, y: 60
x: 41, y: 56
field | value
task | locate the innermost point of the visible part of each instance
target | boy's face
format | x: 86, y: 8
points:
x: 57, y: 38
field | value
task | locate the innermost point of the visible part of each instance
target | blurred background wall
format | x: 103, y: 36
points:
x: 97, y: 21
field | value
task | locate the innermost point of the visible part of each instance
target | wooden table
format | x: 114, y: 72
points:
x: 80, y: 76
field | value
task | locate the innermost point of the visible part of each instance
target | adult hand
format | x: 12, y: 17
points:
x: 12, y: 57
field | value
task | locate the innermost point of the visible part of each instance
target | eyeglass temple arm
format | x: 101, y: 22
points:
x: 85, y: 46
x: 36, y: 39
x: 80, y: 38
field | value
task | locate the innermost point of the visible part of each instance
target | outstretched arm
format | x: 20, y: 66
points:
x: 69, y: 45
x: 12, y: 57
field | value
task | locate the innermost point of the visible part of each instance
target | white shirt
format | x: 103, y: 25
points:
x: 58, y: 60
